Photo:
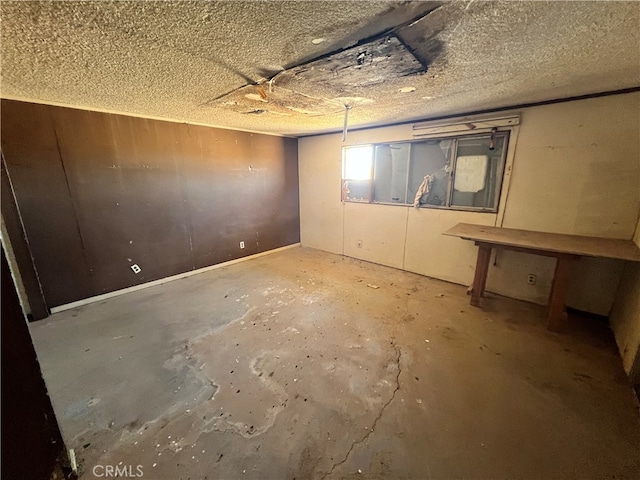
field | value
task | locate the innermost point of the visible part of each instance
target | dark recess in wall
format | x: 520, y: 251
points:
x: 99, y: 192
x: 32, y: 445
x: 20, y: 248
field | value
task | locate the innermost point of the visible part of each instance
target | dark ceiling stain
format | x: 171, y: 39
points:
x: 362, y: 66
x: 314, y: 87
x: 394, y: 19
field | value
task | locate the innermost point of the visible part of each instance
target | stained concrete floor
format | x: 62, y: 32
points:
x: 294, y: 366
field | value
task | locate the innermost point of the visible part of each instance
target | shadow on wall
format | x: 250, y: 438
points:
x: 32, y: 445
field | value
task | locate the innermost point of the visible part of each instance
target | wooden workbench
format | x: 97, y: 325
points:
x: 565, y: 248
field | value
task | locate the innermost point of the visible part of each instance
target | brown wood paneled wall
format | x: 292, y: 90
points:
x: 98, y: 192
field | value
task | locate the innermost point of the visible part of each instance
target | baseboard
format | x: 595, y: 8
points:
x: 98, y: 298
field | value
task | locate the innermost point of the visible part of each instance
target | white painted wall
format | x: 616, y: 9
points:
x: 576, y: 170
x: 625, y: 314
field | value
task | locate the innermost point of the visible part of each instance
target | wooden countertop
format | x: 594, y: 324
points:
x: 550, y: 242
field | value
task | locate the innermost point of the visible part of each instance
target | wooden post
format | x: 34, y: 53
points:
x: 480, y: 277
x: 485, y: 272
x: 556, y: 313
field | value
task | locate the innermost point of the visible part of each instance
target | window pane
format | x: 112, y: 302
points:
x: 356, y: 183
x: 357, y: 162
x: 476, y: 183
x: 390, y: 173
x: 356, y: 190
x: 429, y: 172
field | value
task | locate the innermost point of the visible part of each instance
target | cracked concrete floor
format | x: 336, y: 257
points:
x: 293, y: 365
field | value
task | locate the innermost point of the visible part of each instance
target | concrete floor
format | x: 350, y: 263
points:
x: 294, y: 365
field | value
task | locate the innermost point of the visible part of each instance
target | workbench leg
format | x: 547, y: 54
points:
x: 556, y: 313
x: 480, y: 277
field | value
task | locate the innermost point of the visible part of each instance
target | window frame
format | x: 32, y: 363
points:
x: 455, y: 136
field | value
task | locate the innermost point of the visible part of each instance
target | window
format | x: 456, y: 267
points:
x: 463, y: 172
x: 357, y: 164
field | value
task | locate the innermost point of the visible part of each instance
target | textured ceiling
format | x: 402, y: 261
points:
x: 201, y: 62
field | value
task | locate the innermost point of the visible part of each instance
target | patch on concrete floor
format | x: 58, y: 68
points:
x: 258, y: 365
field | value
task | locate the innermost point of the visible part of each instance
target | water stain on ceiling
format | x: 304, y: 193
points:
x: 321, y: 86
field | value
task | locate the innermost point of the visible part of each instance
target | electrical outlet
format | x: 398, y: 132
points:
x: 136, y: 269
x: 531, y: 279
x: 241, y: 244
x: 359, y: 243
